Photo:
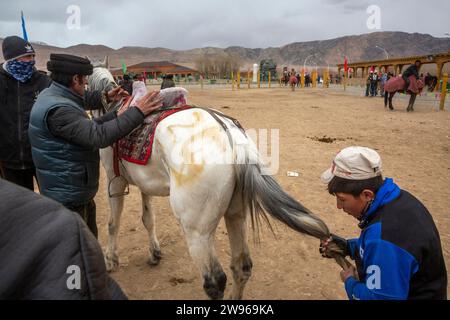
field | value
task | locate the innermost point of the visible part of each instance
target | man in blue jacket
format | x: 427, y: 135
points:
x: 398, y: 254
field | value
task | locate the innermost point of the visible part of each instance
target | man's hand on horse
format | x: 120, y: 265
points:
x: 116, y: 94
x: 334, y: 245
x: 150, y: 102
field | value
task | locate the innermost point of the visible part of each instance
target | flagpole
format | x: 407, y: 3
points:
x: 124, y: 67
x: 24, y: 30
x: 345, y: 72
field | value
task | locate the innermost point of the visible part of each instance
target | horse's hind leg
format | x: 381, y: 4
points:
x: 200, y: 239
x: 391, y: 95
x: 199, y: 212
x: 148, y: 219
x: 241, y: 264
x: 116, y: 205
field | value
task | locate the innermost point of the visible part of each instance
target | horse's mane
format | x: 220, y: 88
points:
x: 101, y: 79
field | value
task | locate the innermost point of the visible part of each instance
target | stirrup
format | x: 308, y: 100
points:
x: 119, y: 194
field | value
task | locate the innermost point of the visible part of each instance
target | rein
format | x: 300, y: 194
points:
x: 116, y: 158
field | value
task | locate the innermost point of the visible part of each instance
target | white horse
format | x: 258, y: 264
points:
x: 207, y: 173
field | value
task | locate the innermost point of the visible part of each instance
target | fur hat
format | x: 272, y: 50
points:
x: 69, y: 64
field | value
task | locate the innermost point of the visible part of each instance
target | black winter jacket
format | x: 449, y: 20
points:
x: 411, y: 71
x: 47, y: 251
x: 16, y: 101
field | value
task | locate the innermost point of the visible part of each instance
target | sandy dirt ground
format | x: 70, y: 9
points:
x: 415, y: 148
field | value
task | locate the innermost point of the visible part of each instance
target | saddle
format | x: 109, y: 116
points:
x: 136, y: 147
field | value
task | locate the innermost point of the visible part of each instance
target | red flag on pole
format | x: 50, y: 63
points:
x: 345, y: 64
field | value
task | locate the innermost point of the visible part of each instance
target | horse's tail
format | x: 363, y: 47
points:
x: 261, y: 194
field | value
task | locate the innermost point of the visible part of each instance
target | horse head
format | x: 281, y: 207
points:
x: 101, y: 79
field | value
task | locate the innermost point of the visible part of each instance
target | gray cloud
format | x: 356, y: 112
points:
x: 181, y: 24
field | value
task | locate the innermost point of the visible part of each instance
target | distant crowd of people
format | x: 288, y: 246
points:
x: 126, y: 82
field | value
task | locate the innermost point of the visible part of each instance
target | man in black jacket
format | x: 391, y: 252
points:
x: 47, y: 252
x: 413, y: 70
x: 168, y: 82
x: 20, y: 84
x: 127, y: 84
x: 65, y: 142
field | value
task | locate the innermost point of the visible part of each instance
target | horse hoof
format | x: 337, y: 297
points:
x: 154, y: 259
x: 111, y: 266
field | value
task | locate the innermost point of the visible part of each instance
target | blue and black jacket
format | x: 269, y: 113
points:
x: 399, y: 254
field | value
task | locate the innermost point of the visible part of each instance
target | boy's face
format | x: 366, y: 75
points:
x: 354, y: 206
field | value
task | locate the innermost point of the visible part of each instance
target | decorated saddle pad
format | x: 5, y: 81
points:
x: 293, y: 80
x: 398, y: 84
x: 137, y: 146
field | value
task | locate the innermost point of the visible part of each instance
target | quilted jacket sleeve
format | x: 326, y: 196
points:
x: 47, y: 252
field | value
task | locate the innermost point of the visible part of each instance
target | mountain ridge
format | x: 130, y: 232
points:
x: 369, y: 46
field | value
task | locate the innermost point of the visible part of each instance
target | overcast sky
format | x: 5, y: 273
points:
x: 186, y: 24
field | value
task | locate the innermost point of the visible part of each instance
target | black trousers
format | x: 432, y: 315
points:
x: 21, y: 177
x: 88, y: 213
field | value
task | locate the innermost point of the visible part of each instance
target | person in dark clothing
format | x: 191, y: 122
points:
x: 47, y: 252
x: 368, y: 83
x: 65, y: 143
x: 386, y: 94
x: 20, y: 84
x: 374, y: 84
x: 413, y: 70
x: 127, y: 84
x: 398, y: 254
x: 168, y: 82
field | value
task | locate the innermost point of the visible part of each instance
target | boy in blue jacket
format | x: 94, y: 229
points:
x: 398, y: 254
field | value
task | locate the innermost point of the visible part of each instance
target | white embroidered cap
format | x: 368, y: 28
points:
x: 354, y: 163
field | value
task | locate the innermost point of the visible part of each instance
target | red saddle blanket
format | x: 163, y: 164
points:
x: 293, y: 80
x: 398, y: 84
x: 137, y: 146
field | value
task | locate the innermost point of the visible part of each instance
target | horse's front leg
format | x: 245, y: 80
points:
x: 148, y: 218
x: 412, y: 99
x: 117, y: 186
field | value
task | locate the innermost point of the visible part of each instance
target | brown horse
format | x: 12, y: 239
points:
x: 398, y: 84
x: 284, y: 79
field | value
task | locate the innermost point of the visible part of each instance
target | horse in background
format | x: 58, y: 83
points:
x: 208, y: 167
x: 285, y: 79
x: 398, y: 84
x: 431, y: 82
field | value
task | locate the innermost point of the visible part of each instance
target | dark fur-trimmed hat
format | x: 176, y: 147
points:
x: 69, y: 64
